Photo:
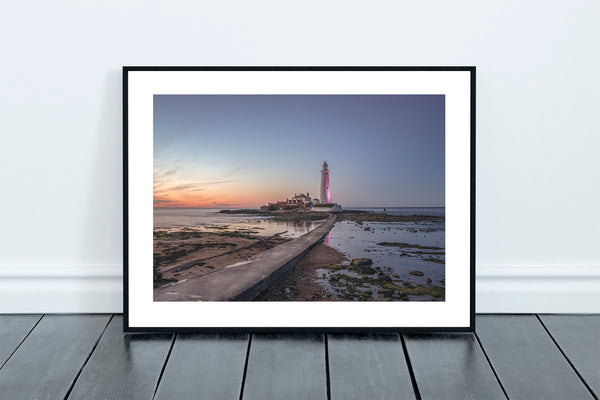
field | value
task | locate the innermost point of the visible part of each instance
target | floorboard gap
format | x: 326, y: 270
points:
x: 246, y: 366
x: 410, y: 368
x: 566, y: 358
x: 490, y: 364
x: 21, y: 342
x: 162, y: 371
x: 87, y: 358
x: 327, y: 375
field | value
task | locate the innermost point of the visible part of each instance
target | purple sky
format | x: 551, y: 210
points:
x: 246, y: 150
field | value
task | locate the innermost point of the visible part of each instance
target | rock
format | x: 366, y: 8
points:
x: 428, y: 280
x: 365, y: 269
x: 361, y: 261
x: 386, y: 293
x: 362, y: 265
x: 384, y: 277
x: 416, y: 273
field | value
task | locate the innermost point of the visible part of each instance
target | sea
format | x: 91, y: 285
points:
x: 435, y: 211
x: 209, y: 219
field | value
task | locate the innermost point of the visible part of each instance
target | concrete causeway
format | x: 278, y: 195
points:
x: 244, y: 281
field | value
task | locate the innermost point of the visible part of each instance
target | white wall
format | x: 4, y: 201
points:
x: 538, y: 136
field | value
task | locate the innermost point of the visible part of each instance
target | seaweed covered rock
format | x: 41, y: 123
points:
x: 362, y: 265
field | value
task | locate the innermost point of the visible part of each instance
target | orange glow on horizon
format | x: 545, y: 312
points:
x: 196, y: 187
x: 229, y: 195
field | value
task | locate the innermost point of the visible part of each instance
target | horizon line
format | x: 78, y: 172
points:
x: 249, y: 207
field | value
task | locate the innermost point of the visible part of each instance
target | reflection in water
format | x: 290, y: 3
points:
x: 211, y: 220
x: 466, y: 353
x: 301, y: 227
x: 327, y: 239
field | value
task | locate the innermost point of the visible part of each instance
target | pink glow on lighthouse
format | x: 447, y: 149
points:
x: 325, y: 193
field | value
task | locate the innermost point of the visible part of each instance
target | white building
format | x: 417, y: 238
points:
x: 301, y: 196
x: 325, y: 192
x: 325, y: 204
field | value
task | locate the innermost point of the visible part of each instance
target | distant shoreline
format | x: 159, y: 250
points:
x: 358, y: 208
x: 346, y: 215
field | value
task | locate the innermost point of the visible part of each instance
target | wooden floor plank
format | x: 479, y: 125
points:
x: 579, y: 338
x: 526, y: 360
x: 451, y: 366
x: 282, y: 366
x: 46, y: 364
x: 368, y: 366
x: 205, y: 367
x: 13, y: 329
x: 123, y: 366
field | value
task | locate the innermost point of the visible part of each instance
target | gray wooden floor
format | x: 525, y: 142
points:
x: 510, y: 356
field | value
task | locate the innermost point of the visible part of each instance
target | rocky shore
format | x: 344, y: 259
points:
x: 301, y: 284
x: 322, y: 275
x: 346, y: 215
x: 176, y: 247
x: 364, y: 282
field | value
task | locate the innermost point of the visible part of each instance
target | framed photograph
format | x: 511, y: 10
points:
x: 299, y: 198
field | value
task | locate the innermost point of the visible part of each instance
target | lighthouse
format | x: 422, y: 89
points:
x: 325, y: 194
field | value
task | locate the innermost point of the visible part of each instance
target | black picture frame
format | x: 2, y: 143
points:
x: 127, y: 70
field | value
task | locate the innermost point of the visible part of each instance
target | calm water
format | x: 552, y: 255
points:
x: 436, y: 211
x: 360, y: 241
x: 208, y: 218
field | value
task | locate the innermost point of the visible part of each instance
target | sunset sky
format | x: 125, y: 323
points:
x: 230, y: 151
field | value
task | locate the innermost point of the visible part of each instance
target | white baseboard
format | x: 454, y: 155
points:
x: 499, y: 289
x: 51, y: 289
x: 508, y: 289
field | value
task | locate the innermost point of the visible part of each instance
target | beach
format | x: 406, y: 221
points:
x: 403, y: 254
x: 176, y: 251
x: 301, y: 284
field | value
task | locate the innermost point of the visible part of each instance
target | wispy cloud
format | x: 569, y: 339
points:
x: 208, y: 183
x: 185, y: 187
x: 178, y: 183
x: 163, y: 201
x: 161, y: 185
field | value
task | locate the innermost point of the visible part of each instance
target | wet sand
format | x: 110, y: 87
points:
x: 301, y: 283
x: 172, y: 251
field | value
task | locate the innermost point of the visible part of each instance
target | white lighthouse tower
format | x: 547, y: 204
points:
x: 325, y: 193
